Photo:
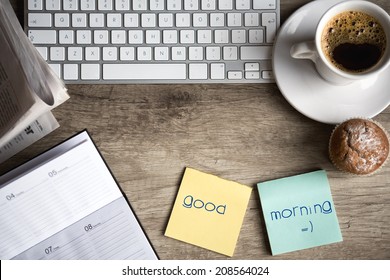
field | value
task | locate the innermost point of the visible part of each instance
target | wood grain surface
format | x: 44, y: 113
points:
x: 148, y: 134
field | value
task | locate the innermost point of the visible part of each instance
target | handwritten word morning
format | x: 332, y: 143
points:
x: 190, y: 202
x: 305, y: 210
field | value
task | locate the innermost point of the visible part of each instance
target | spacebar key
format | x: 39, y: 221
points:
x: 174, y: 71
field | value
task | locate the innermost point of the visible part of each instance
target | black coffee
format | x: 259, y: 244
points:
x: 353, y: 41
x: 356, y: 57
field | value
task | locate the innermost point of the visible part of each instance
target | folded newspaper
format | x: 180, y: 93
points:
x: 29, y: 88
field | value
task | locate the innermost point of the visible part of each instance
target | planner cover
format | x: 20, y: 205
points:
x: 65, y: 204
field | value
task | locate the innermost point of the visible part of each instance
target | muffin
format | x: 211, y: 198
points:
x: 359, y: 146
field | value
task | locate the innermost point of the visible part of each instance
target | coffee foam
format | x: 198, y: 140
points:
x: 352, y: 27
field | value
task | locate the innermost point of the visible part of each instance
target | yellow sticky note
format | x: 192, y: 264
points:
x: 208, y: 212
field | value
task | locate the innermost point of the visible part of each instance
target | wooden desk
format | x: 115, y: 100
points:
x: 247, y: 133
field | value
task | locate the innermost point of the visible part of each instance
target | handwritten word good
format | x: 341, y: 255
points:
x: 190, y: 202
x: 208, y: 211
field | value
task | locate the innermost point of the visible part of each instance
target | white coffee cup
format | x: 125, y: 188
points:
x: 313, y: 50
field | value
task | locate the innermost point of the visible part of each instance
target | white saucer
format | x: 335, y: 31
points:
x: 306, y: 91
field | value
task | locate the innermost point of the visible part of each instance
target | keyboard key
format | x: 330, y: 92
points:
x: 48, y: 37
x: 198, y: 71
x: 269, y: 21
x: 131, y: 20
x: 157, y: 5
x: 173, y: 5
x: 256, y: 36
x: 165, y: 20
x: 148, y: 20
x: 104, y: 5
x: 170, y: 36
x: 114, y: 20
x: 252, y: 19
x: 234, y: 19
x: 57, y: 53
x: 191, y: 5
x: 238, y: 36
x: 200, y: 20
x: 70, y: 5
x: 183, y: 20
x: 90, y: 71
x: 66, y: 37
x: 126, y: 53
x: 187, y: 36
x: 139, y: 5
x: 161, y: 53
x: 252, y: 75
x: 144, y: 71
x: 122, y: 5
x: 204, y: 36
x: 96, y: 20
x: 264, y: 4
x: 79, y: 20
x: 100, y: 37
x: 152, y: 37
x: 35, y: 5
x: 75, y: 53
x: 230, y: 53
x: 39, y: 20
x: 56, y: 68
x: 208, y: 5
x: 252, y: 66
x: 213, y: 53
x: 71, y: 71
x: 43, y: 52
x: 243, y: 4
x: 234, y: 75
x: 88, y: 5
x: 83, y: 37
x: 225, y: 4
x: 221, y: 36
x: 118, y: 37
x: 110, y: 53
x: 217, y: 71
x: 92, y: 53
x: 144, y: 53
x: 217, y: 19
x: 136, y: 37
x: 53, y: 5
x: 256, y: 52
x: 61, y: 20
x: 267, y: 75
x: 178, y: 53
x: 195, y: 53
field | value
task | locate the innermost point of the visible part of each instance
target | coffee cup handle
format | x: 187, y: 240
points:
x: 304, y: 50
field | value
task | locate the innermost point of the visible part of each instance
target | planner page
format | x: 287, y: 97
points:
x: 69, y: 207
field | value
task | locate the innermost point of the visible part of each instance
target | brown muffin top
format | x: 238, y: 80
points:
x: 358, y: 146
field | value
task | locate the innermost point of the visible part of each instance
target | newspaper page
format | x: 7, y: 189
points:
x: 29, y: 88
x: 32, y: 133
x: 41, y: 78
x: 15, y: 97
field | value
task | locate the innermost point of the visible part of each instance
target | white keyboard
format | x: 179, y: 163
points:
x: 155, y: 41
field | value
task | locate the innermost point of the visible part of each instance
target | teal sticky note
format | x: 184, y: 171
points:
x: 299, y: 212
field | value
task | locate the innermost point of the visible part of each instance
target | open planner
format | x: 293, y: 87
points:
x: 65, y: 204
